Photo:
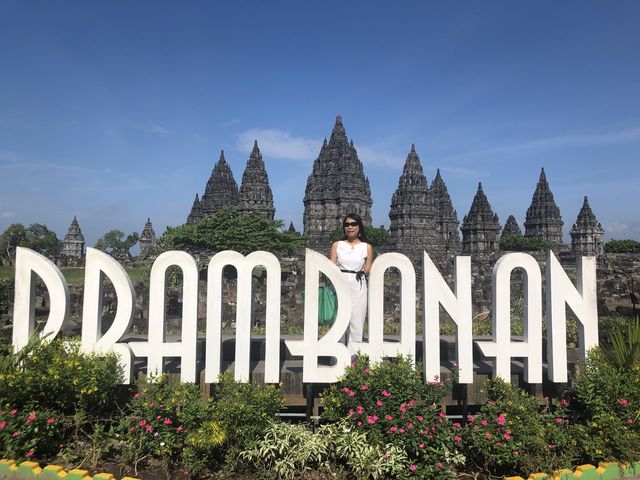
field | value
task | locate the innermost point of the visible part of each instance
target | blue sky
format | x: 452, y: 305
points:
x: 116, y: 111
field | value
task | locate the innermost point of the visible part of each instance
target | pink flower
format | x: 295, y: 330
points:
x: 564, y: 403
x: 156, y: 434
x: 516, y: 453
x: 629, y: 421
x: 552, y: 445
x: 158, y: 417
x: 152, y: 405
x: 471, y: 418
x: 403, y: 409
x: 346, y: 390
x: 13, y: 412
x: 32, y: 417
x: 507, y: 437
x: 2, y: 425
x: 393, y: 429
x: 379, y: 403
x: 409, y: 426
x: 365, y: 370
x: 371, y: 419
x: 442, y: 414
x: 421, y: 445
x: 360, y: 409
x: 15, y: 434
x: 132, y: 429
x: 142, y: 423
x: 457, y: 438
x: 499, y: 444
x: 50, y: 420
x: 623, y: 402
x: 559, y: 420
x: 167, y: 421
x: 149, y: 428
x: 388, y: 417
x: 420, y: 418
x: 364, y: 388
x: 412, y: 468
x: 30, y: 453
x: 179, y: 428
x: 350, y: 413
x: 359, y: 424
x: 351, y: 393
x: 501, y: 420
x: 487, y: 436
x: 484, y: 423
x: 137, y: 395
x: 456, y: 425
x: 439, y: 465
x: 384, y: 393
x: 401, y: 430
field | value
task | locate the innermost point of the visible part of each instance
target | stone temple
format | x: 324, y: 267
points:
x: 422, y: 217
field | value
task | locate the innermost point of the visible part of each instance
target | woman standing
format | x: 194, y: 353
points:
x: 354, y: 256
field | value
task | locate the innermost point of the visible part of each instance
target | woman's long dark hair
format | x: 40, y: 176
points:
x: 362, y: 234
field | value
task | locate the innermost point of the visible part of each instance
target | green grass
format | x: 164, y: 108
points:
x: 75, y: 275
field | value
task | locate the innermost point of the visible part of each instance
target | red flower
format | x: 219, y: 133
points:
x: 412, y: 468
x: 30, y: 453
x: 384, y: 393
x: 624, y: 402
x: 364, y: 388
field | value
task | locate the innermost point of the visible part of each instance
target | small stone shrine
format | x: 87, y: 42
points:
x: 255, y: 194
x: 543, y: 216
x: 147, y: 238
x: 73, y: 242
x: 446, y: 217
x: 480, y: 227
x: 511, y: 228
x: 586, y: 233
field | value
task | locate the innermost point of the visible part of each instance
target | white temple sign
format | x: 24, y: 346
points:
x: 457, y: 302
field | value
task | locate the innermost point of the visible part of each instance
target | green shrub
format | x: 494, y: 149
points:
x: 607, y: 405
x: 393, y: 406
x: 622, y: 246
x: 245, y: 409
x: 288, y: 451
x: 512, y: 436
x: 518, y: 243
x: 57, y: 376
x: 6, y: 293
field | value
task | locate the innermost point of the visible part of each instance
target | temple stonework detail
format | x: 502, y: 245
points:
x: 446, y: 217
x: 147, y: 238
x: 255, y: 194
x: 480, y: 227
x: 413, y: 228
x: 336, y: 186
x: 586, y: 233
x: 73, y: 243
x: 543, y: 216
x: 221, y: 191
x: 511, y: 228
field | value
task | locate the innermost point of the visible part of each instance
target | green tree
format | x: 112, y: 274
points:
x: 115, y: 241
x: 622, y: 246
x: 230, y: 230
x: 37, y: 237
x: 518, y: 243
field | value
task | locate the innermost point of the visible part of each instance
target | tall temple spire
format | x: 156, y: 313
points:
x: 73, y: 243
x: 543, y: 215
x: 221, y: 190
x: 196, y: 212
x: 480, y: 227
x: 255, y: 193
x: 413, y: 228
x: 337, y: 186
x: 586, y: 233
x: 147, y: 238
x: 446, y: 217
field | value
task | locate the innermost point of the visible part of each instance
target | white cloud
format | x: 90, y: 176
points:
x: 373, y: 156
x: 152, y: 128
x: 6, y: 214
x: 280, y: 144
x: 630, y: 135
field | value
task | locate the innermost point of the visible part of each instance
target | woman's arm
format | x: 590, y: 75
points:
x: 333, y: 254
x: 369, y: 260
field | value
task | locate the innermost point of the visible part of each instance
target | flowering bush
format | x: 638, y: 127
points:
x: 393, y: 406
x: 56, y: 375
x: 162, y: 415
x: 607, y: 406
x: 27, y: 434
x: 511, y: 435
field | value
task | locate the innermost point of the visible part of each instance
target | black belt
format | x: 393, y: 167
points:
x: 359, y: 275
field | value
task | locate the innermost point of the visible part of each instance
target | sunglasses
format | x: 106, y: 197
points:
x: 350, y: 224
